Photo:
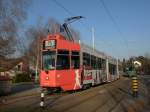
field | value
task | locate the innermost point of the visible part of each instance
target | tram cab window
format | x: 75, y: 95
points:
x: 48, y: 60
x: 75, y: 60
x: 62, y: 60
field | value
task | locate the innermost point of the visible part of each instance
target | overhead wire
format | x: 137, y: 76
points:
x: 86, y: 26
x: 60, y: 5
x: 115, y: 24
x: 71, y: 14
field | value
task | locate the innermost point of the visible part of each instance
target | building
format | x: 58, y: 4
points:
x: 11, y: 67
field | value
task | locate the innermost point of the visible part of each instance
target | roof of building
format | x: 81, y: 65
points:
x: 7, y: 64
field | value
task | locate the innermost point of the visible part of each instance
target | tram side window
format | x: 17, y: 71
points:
x: 112, y: 69
x: 103, y: 61
x: 120, y: 68
x: 99, y: 63
x: 93, y: 62
x: 63, y: 60
x: 75, y: 60
x: 86, y: 59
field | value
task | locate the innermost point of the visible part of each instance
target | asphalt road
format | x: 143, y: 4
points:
x: 16, y: 88
x: 111, y: 97
x: 145, y: 80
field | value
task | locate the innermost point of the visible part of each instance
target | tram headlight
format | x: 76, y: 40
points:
x: 47, y: 78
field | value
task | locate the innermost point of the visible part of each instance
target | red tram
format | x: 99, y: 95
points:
x: 69, y: 65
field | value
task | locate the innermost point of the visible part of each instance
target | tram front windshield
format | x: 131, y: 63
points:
x: 49, y: 58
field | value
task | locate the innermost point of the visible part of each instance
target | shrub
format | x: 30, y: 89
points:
x: 23, y: 77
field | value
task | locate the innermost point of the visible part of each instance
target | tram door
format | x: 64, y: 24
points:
x: 75, y: 70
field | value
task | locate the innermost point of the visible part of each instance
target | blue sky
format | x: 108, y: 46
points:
x: 132, y: 18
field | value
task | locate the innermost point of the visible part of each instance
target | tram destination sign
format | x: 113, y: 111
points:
x: 50, y: 44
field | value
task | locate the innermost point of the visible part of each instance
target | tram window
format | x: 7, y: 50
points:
x: 86, y: 59
x: 112, y: 69
x: 62, y: 52
x: 75, y: 53
x: 62, y: 62
x: 75, y: 62
x: 99, y: 63
x: 103, y: 61
x: 93, y: 62
x: 48, y: 60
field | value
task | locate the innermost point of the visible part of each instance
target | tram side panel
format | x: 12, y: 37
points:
x: 98, y: 75
x: 112, y: 72
x: 93, y: 77
x: 90, y: 75
x: 107, y: 74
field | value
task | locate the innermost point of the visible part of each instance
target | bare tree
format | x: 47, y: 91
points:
x: 12, y: 13
x: 35, y: 36
x: 53, y: 26
x: 147, y: 55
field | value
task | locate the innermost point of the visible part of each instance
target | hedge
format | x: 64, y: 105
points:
x: 21, y: 78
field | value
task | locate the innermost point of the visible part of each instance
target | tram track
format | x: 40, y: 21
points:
x: 92, y: 95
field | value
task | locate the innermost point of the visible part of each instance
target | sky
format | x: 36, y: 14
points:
x: 122, y: 27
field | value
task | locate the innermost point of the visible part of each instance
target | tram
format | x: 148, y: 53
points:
x: 69, y: 65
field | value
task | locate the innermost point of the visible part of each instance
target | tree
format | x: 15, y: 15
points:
x: 12, y: 14
x: 145, y: 64
x: 145, y: 60
x: 53, y: 26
